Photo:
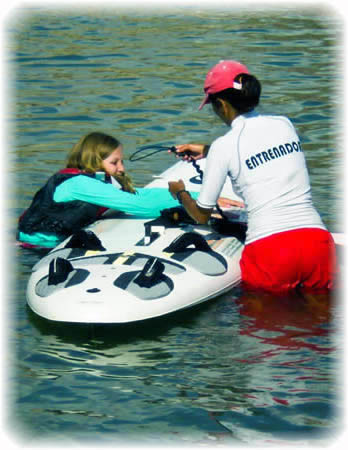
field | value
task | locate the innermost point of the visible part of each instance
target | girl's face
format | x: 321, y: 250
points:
x: 113, y: 164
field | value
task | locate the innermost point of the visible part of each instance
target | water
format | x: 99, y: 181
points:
x: 243, y: 369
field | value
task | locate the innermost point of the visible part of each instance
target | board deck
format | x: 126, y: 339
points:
x: 146, y: 268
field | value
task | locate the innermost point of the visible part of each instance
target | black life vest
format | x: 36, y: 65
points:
x: 64, y: 218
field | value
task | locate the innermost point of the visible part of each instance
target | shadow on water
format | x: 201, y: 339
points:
x: 289, y: 319
x: 104, y: 336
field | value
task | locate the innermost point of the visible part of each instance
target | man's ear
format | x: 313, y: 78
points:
x: 224, y: 106
x: 219, y: 103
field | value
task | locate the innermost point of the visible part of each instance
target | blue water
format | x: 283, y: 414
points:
x: 244, y: 369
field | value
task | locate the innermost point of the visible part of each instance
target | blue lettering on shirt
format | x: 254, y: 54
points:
x: 272, y: 153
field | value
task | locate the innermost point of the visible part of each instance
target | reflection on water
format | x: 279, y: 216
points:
x: 245, y: 368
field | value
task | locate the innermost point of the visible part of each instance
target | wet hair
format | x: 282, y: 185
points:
x: 90, y: 151
x: 243, y: 100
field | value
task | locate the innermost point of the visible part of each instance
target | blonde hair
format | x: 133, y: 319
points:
x: 90, y: 151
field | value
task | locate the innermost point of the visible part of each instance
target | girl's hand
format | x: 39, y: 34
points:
x: 193, y: 151
x: 224, y: 202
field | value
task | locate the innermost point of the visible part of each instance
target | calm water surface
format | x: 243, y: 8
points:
x: 246, y: 368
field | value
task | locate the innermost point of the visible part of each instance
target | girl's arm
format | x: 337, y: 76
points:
x: 147, y: 202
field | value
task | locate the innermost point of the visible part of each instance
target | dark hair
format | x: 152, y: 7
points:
x: 243, y: 100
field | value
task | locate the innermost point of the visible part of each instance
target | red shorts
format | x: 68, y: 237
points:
x: 303, y: 258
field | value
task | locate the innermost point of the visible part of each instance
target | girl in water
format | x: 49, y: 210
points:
x: 93, y: 180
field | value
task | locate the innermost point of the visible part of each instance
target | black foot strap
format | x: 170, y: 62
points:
x: 59, y: 270
x: 85, y: 239
x: 151, y: 273
x: 181, y: 243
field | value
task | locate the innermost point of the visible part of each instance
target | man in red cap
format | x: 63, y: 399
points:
x: 287, y: 244
x: 222, y: 77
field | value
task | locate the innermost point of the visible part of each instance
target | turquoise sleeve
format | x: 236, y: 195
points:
x: 147, y: 202
x: 41, y: 239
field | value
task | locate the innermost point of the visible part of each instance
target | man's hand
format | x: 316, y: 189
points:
x: 193, y: 151
x: 176, y: 186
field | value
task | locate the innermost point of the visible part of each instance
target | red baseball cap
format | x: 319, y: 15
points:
x: 221, y: 77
